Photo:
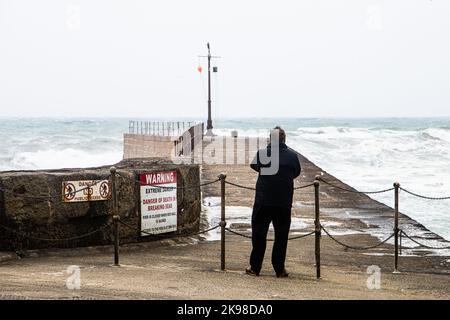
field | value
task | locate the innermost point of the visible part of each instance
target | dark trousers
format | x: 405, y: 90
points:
x: 262, y: 216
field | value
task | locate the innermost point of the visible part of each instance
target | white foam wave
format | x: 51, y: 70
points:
x: 65, y: 158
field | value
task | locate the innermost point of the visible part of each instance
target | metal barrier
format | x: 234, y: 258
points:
x: 159, y: 128
x: 397, y: 234
x: 318, y: 227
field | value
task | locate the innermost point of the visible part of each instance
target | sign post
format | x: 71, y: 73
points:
x: 158, y: 202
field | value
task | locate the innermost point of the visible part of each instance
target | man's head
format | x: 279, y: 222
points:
x: 278, y: 135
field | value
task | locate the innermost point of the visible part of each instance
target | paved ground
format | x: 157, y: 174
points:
x: 191, y: 271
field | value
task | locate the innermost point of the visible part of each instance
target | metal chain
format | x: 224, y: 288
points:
x: 157, y: 235
x: 356, y: 191
x: 172, y: 188
x: 356, y: 248
x: 61, y: 239
x: 421, y: 244
x: 250, y: 237
x: 425, y: 197
x: 251, y: 188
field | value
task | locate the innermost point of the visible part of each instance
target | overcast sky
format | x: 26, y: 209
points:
x: 278, y: 58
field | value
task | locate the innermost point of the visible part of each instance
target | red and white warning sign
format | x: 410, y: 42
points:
x: 86, y: 190
x: 158, y: 202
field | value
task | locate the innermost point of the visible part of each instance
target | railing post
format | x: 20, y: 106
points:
x: 115, y: 215
x: 116, y: 240
x: 223, y: 223
x: 396, y: 229
x: 113, y: 170
x: 318, y: 228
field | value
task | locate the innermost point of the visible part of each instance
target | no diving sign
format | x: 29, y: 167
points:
x: 86, y: 190
x: 158, y: 202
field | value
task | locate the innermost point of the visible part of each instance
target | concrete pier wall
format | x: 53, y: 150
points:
x: 31, y: 204
x: 142, y: 146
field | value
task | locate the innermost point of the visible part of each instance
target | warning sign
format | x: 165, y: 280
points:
x: 158, y: 202
x: 86, y: 190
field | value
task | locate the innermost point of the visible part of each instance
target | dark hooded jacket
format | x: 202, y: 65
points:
x: 276, y: 189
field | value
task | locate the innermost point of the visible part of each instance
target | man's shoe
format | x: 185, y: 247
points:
x: 251, y: 272
x: 282, y: 274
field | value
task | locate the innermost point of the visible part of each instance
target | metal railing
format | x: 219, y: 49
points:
x: 160, y: 128
x: 115, y: 220
x: 318, y: 227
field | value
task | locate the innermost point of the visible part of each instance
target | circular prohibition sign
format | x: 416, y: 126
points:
x: 104, y: 190
x: 69, y: 191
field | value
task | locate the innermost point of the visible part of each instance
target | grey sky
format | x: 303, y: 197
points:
x: 279, y: 58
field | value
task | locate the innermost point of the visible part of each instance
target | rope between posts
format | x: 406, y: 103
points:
x: 53, y: 239
x: 421, y: 244
x: 356, y: 248
x: 157, y: 235
x: 355, y: 191
x: 239, y: 186
x: 424, y: 197
x: 249, y: 237
x: 304, y: 187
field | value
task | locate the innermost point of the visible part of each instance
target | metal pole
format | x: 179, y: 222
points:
x: 317, y: 224
x: 396, y: 229
x: 223, y: 223
x: 116, y: 240
x: 113, y: 170
x: 209, y: 123
x: 115, y: 215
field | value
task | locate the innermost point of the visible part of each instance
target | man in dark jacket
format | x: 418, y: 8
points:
x: 277, y: 166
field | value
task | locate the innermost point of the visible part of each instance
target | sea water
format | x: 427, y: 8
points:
x: 368, y: 154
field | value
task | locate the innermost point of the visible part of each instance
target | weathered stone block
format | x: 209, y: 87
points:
x: 31, y: 204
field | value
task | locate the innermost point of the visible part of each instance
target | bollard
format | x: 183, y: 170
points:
x: 116, y: 240
x: 223, y: 223
x: 113, y: 190
x: 318, y: 228
x: 396, y: 229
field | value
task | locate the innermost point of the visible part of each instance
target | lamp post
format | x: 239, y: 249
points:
x: 209, y: 125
